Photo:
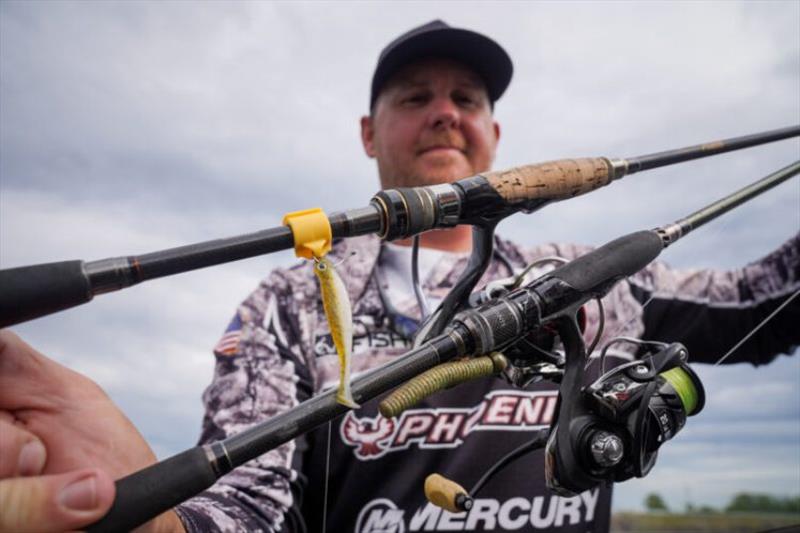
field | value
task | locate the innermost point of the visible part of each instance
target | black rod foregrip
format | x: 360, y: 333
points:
x: 147, y: 493
x: 33, y: 291
x: 594, y: 272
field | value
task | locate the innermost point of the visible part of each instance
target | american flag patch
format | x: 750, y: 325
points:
x: 229, y: 343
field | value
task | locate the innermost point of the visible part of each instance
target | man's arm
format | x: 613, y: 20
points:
x: 710, y: 311
x: 261, y: 371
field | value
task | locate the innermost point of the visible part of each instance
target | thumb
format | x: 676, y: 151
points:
x: 55, y: 503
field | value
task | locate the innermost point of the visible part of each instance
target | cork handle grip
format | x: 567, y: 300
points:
x: 552, y: 180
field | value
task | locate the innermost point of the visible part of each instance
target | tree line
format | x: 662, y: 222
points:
x: 741, y: 502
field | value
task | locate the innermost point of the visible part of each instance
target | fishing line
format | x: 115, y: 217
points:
x: 601, y: 324
x: 422, y: 301
x: 759, y: 326
x: 620, y: 329
x: 535, y: 443
x: 327, y: 475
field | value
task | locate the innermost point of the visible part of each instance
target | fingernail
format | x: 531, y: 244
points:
x: 80, y: 495
x: 31, y: 458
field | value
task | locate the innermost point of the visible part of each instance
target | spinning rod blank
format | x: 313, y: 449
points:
x: 38, y: 290
x: 681, y: 227
x: 670, y: 157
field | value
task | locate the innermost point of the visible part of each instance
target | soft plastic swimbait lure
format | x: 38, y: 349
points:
x: 336, y: 303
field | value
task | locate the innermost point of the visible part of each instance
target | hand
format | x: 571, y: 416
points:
x: 62, y: 443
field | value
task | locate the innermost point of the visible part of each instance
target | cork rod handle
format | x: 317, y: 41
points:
x: 552, y: 180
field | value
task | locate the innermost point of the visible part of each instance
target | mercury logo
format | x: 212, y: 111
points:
x: 487, y: 514
x: 380, y: 516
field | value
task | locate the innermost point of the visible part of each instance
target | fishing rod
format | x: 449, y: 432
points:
x: 483, y: 200
x: 493, y: 326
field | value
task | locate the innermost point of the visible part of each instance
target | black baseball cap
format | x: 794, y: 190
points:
x: 438, y: 39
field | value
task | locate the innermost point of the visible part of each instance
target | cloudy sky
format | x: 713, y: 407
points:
x: 130, y: 127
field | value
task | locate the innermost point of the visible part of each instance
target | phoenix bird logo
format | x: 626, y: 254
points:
x: 367, y: 434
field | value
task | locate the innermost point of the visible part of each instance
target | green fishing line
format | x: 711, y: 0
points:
x: 684, y: 386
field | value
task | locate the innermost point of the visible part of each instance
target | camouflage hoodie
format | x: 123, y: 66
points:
x: 277, y: 352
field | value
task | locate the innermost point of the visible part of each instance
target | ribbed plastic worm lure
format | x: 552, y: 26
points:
x: 336, y: 303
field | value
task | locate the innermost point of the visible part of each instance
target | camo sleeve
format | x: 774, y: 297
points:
x: 261, y: 371
x: 711, y: 311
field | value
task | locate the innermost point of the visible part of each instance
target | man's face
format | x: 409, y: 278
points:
x: 432, y: 123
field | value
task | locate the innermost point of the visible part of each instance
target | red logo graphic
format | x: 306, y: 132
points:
x: 501, y: 410
x: 367, y: 434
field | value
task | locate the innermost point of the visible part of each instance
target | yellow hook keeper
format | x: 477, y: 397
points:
x: 312, y: 232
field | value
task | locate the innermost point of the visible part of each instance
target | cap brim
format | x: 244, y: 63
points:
x: 476, y: 51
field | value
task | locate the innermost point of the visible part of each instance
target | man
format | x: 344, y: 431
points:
x: 430, y: 122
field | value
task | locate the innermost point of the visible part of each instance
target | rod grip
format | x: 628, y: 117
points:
x: 33, y: 291
x: 147, y: 493
x: 552, y: 180
x: 613, y: 261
